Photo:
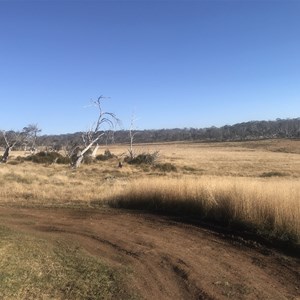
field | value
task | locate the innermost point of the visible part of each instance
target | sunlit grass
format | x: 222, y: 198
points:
x: 270, y: 207
x: 254, y: 185
x: 29, y: 183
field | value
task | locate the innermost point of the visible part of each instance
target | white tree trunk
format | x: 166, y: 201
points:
x: 95, y: 151
x: 78, y: 160
x: 80, y: 154
x: 6, y: 154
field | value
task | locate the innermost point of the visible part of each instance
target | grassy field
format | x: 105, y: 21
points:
x: 252, y: 184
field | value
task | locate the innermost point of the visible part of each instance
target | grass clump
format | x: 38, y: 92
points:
x: 165, y: 167
x: 14, y: 162
x: 272, y: 174
x: 19, y: 178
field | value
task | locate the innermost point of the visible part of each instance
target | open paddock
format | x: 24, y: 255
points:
x: 72, y: 224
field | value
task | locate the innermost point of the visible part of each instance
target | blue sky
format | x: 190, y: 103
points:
x: 174, y: 63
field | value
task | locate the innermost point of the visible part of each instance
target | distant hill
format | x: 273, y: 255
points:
x: 253, y: 130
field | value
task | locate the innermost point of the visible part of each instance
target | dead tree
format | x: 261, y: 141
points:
x: 31, y: 133
x: 94, y: 153
x: 132, y: 134
x: 10, y: 142
x: 15, y: 138
x: 6, y: 153
x: 76, y: 159
x: 92, y: 136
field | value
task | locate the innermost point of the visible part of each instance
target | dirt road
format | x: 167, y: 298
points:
x: 167, y: 259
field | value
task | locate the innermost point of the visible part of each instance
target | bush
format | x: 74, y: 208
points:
x: 48, y: 158
x: 20, y: 158
x: 87, y: 159
x: 144, y: 158
x: 64, y: 160
x: 107, y: 155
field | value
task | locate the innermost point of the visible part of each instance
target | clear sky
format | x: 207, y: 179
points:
x: 174, y: 63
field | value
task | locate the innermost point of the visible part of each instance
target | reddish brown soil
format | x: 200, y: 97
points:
x: 166, y: 259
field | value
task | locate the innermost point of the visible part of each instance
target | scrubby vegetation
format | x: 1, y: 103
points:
x: 106, y: 156
x: 47, y: 158
x: 143, y: 158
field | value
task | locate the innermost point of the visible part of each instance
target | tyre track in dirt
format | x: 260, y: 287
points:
x: 166, y: 259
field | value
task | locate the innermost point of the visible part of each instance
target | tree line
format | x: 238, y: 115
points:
x: 79, y: 144
x: 253, y: 130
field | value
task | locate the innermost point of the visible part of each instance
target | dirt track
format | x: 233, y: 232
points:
x: 169, y: 260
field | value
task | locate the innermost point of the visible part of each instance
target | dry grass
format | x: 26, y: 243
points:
x: 270, y: 208
x: 251, y: 183
x: 34, y: 268
x: 30, y: 183
x: 244, y: 159
x: 250, y: 186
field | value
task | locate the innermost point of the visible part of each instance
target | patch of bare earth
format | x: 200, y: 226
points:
x: 166, y: 259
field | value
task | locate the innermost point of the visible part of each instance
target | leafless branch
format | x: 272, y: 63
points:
x: 91, y: 136
x: 5, y: 138
x: 132, y: 135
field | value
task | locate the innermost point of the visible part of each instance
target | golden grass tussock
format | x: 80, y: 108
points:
x: 269, y: 207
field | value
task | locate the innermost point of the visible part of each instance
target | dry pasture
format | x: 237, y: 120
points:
x: 65, y: 214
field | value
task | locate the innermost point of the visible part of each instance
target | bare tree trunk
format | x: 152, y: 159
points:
x: 78, y: 160
x: 95, y: 151
x: 6, y: 154
x: 131, y: 153
x: 131, y: 136
x: 80, y: 154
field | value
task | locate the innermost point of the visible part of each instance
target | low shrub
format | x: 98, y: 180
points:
x: 48, y: 158
x: 20, y: 158
x: 144, y: 158
x: 64, y: 160
x: 107, y: 155
x: 87, y: 159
